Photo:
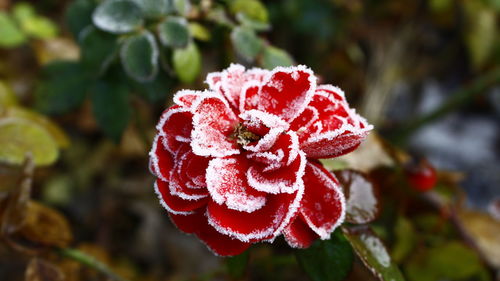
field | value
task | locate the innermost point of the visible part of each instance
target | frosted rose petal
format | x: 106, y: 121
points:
x: 161, y: 162
x: 298, y: 234
x: 220, y: 244
x: 178, y: 177
x: 323, y: 205
x: 175, y: 127
x: 213, y: 123
x: 286, y: 179
x: 265, y: 223
x: 174, y: 204
x: 227, y: 184
x: 338, y: 128
x: 285, y: 93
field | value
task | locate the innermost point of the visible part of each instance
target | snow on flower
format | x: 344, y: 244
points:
x: 237, y: 164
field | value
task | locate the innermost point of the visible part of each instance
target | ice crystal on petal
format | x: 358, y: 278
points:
x: 226, y: 183
x: 235, y: 163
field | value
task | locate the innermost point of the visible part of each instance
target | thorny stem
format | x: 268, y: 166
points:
x: 90, y: 261
x: 456, y: 100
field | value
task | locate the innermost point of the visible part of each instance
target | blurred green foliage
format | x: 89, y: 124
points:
x: 151, y: 40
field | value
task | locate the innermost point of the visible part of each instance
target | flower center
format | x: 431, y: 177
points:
x: 243, y: 136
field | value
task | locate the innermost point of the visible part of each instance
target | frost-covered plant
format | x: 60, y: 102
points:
x: 237, y: 164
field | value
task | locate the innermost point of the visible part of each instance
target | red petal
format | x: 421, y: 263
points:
x: 338, y: 129
x: 232, y: 81
x: 285, y: 93
x: 161, y: 162
x: 266, y: 125
x: 299, y: 235
x: 287, y: 179
x: 186, y: 98
x: 278, y: 169
x: 175, y: 126
x: 220, y: 244
x: 265, y: 223
x: 305, y: 120
x: 213, y: 121
x: 174, y: 204
x: 323, y: 204
x: 227, y: 185
x: 180, y: 184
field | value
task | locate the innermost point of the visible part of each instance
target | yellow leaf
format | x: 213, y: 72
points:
x: 7, y: 96
x: 59, y: 136
x: 19, y: 137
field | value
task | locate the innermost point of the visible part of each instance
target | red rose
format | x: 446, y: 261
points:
x: 236, y: 164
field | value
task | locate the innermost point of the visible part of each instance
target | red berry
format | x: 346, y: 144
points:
x: 421, y: 175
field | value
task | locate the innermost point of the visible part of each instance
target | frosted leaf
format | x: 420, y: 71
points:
x: 213, y: 123
x: 377, y: 249
x: 298, y: 234
x: 286, y: 179
x: 174, y: 204
x: 265, y: 223
x: 175, y: 127
x: 285, y: 92
x: 323, y: 206
x: 227, y: 185
x: 362, y: 203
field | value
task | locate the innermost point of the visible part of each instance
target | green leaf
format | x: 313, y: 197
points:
x: 40, y: 27
x: 362, y: 200
x: 23, y: 11
x: 154, y: 9
x: 371, y: 250
x: 98, y: 49
x: 237, y: 265
x: 274, y: 57
x: 63, y: 87
x: 156, y: 90
x: 182, y: 6
x: 187, y: 63
x: 33, y: 24
x: 404, y: 233
x: 7, y: 96
x: 10, y: 35
x: 118, y: 16
x: 327, y: 260
x: 139, y: 55
x: 449, y: 261
x: 254, y: 9
x: 111, y: 107
x: 174, y: 32
x: 79, y: 15
x: 481, y: 32
x: 249, y: 22
x: 20, y: 136
x: 246, y: 43
x: 199, y: 31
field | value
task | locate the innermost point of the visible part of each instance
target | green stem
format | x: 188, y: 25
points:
x: 90, y: 261
x: 456, y: 100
